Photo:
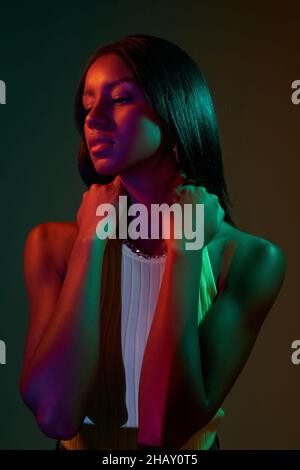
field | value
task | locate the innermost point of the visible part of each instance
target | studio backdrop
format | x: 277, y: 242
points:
x: 249, y: 54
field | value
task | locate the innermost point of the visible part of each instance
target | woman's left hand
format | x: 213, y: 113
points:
x: 200, y: 230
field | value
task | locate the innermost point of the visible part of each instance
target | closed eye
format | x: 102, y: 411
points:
x: 116, y: 100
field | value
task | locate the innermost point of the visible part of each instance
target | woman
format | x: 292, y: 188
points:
x: 98, y: 378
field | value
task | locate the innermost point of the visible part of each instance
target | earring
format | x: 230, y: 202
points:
x: 175, y: 151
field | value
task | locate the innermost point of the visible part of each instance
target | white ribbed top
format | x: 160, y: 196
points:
x: 140, y: 279
x: 128, y: 317
x: 140, y: 284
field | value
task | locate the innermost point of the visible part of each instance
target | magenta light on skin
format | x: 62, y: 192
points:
x: 100, y: 147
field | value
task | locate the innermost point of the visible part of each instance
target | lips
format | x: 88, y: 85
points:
x: 100, y: 143
x: 100, y: 140
x: 100, y: 147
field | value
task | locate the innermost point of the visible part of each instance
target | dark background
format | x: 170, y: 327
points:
x: 249, y: 53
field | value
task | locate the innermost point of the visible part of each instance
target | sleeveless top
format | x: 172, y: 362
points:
x: 129, y: 291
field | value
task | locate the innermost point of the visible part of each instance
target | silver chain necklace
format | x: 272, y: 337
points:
x: 142, y: 253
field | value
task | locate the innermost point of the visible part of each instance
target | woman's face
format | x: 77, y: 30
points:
x: 118, y: 112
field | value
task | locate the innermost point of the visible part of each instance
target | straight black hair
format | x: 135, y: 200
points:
x: 178, y: 92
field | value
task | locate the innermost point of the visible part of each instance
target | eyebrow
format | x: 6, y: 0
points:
x: 112, y: 84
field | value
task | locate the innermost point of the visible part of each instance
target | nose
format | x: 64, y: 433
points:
x: 97, y: 120
x: 100, y: 123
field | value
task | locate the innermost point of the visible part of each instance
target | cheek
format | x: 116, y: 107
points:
x: 146, y: 137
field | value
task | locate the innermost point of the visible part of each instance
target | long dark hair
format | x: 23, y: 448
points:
x: 177, y: 91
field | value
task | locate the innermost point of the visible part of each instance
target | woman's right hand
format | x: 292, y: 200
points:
x: 190, y: 193
x: 87, y: 219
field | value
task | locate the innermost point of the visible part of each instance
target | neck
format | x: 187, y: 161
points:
x: 150, y: 183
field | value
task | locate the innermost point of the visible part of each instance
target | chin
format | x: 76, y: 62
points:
x: 108, y: 168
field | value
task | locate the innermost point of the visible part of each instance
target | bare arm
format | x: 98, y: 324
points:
x: 62, y: 347
x: 188, y: 370
x: 237, y: 315
x: 171, y: 376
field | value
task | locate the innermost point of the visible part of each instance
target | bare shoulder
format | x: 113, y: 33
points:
x: 250, y: 247
x: 53, y: 240
x: 250, y: 264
